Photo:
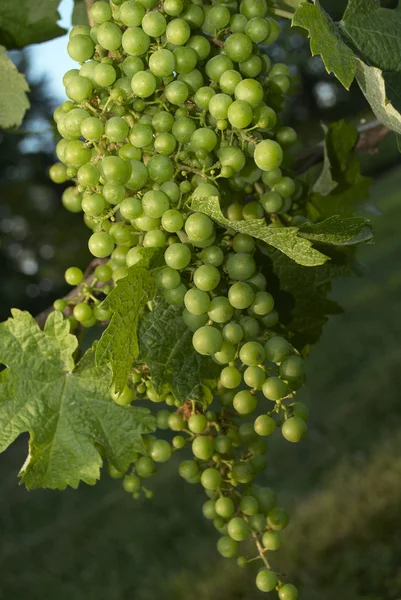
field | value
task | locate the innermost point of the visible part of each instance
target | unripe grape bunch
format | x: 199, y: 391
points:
x: 174, y: 102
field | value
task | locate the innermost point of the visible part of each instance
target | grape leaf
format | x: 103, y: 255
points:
x: 301, y: 294
x: 366, y: 44
x: 373, y: 85
x: 13, y: 99
x: 79, y: 13
x: 338, y: 232
x: 67, y: 409
x: 166, y: 346
x: 118, y: 345
x: 326, y: 40
x: 284, y: 239
x: 342, y: 185
x: 374, y: 32
x: 23, y: 22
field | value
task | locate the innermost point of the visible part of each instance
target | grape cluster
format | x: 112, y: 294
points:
x: 175, y: 101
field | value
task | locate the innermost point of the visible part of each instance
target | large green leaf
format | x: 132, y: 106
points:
x: 284, y: 239
x: 67, y: 409
x: 340, y: 186
x: 327, y: 41
x: 13, y: 93
x: 336, y: 231
x: 302, y: 295
x: 374, y: 32
x: 372, y: 83
x: 366, y: 43
x: 23, y: 22
x: 118, y: 345
x: 166, y: 346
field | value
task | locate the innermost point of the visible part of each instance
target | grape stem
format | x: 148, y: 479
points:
x: 261, y: 550
x: 283, y: 13
x: 371, y: 134
x: 76, y: 291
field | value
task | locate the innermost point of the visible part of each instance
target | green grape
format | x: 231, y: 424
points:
x: 109, y: 36
x: 172, y: 221
x: 73, y: 276
x: 268, y: 155
x: 262, y: 304
x: 132, y: 483
x: 201, y: 45
x: 254, y: 377
x: 206, y: 277
x: 72, y: 200
x: 176, y: 422
x: 222, y: 444
x: 238, y: 529
x: 125, y: 397
x: 100, y: 12
x: 270, y: 320
x: 288, y: 592
x: 203, y: 447
x: 178, y: 32
x: 104, y: 75
x: 169, y: 278
x: 271, y: 202
x: 238, y: 47
x: 226, y: 546
x: 207, y: 340
x: 82, y: 312
x: 172, y: 190
x: 76, y: 154
x: 80, y: 48
x: 154, y: 24
x: 277, y: 349
x: 244, y: 402
x: 232, y: 157
x: 132, y: 13
x: 258, y: 522
x: 252, y: 354
x: 252, y: 210
x: 178, y: 442
x: 116, y: 129
x: 242, y: 472
x: 294, y: 429
x: 240, y: 115
x: 199, y: 227
x: 197, y: 423
x: 177, y: 256
x: 145, y: 467
x: 217, y: 65
x: 266, y: 580
x: 249, y: 506
x: 249, y: 90
x: 101, y: 244
x: 220, y: 310
x: 300, y: 410
x: 226, y: 353
x: 211, y: 479
x: 277, y: 519
x: 101, y: 314
x: 213, y: 255
x: 115, y: 170
x: 130, y: 208
x: 155, y: 203
x: 240, y: 266
x: 233, y: 333
x: 143, y: 84
x: 93, y: 204
x: 209, y: 510
x: 204, y: 138
x: 58, y: 173
x: 238, y: 23
x: 274, y: 388
x: 241, y: 295
x: 265, y: 425
x: 176, y: 296
x: 114, y: 194
x: 292, y: 369
x: 271, y: 540
x: 197, y: 301
x: 160, y: 168
x: 154, y: 239
x: 60, y: 305
x: 230, y: 377
x: 88, y: 175
x: 92, y: 128
x: 161, y: 451
x: 135, y: 42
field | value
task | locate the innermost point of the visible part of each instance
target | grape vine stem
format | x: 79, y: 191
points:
x: 88, y: 6
x: 87, y: 280
x: 371, y: 134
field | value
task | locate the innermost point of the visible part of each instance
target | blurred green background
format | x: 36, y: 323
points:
x: 342, y: 485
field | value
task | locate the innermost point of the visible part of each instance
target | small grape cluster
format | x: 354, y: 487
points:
x: 174, y: 102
